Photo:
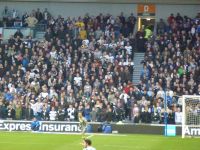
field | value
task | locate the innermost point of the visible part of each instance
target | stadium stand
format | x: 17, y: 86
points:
x: 85, y: 64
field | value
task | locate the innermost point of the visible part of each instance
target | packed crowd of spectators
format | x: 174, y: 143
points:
x: 85, y: 64
x: 171, y: 67
x: 13, y: 18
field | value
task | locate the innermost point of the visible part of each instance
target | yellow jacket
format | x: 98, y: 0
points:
x: 83, y: 34
x: 32, y: 21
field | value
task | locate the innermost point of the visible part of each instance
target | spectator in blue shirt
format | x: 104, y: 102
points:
x: 87, y: 111
x: 25, y: 62
x: 35, y: 125
x: 8, y: 96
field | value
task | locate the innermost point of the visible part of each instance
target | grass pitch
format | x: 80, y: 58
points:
x: 40, y: 141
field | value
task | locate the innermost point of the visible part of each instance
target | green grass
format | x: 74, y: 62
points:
x: 35, y: 141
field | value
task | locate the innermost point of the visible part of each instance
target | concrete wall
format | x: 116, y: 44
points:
x: 79, y: 9
x: 115, y: 1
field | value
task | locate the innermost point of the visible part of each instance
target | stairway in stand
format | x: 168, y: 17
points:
x: 138, y: 57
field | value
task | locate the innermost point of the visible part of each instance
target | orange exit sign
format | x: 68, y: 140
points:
x: 146, y: 10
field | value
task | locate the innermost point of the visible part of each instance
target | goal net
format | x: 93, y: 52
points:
x: 191, y: 116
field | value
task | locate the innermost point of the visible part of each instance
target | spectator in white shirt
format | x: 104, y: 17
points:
x: 52, y: 114
x: 128, y: 48
x: 87, y: 89
x: 44, y: 92
x: 124, y: 97
x: 78, y: 80
x: 161, y: 93
x: 85, y: 43
x: 135, y: 113
x: 71, y: 113
x: 52, y: 93
x: 178, y: 116
x: 14, y: 14
x: 13, y: 89
x: 53, y: 53
x: 38, y: 107
x: 33, y: 107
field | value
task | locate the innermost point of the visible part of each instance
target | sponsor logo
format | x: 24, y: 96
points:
x: 60, y: 127
x: 44, y: 126
x: 15, y: 126
x: 192, y: 131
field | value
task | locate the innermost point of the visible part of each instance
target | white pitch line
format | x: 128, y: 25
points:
x: 102, y: 134
x: 23, y: 143
x: 68, y: 133
x: 90, y: 136
x: 125, y: 147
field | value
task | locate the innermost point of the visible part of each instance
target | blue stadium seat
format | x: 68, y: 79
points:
x: 89, y: 129
x: 107, y: 128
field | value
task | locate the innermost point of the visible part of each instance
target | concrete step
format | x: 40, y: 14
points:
x: 139, y: 54
x: 136, y: 78
x: 138, y: 69
x: 136, y: 72
x: 138, y: 66
x: 136, y: 75
x: 138, y: 58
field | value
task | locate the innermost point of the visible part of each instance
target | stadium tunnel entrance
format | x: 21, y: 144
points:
x: 146, y: 17
x: 144, y: 22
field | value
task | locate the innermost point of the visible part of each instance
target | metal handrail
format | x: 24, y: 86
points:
x: 40, y: 27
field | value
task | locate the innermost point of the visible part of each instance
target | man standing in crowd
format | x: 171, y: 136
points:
x: 31, y: 21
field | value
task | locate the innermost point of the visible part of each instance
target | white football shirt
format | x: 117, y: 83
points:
x: 89, y: 148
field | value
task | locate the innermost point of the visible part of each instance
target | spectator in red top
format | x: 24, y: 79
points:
x: 170, y: 19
